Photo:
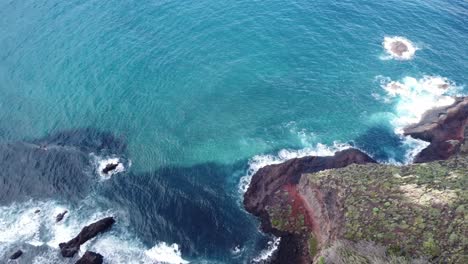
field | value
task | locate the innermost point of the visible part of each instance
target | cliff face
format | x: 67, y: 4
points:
x: 348, y: 209
x: 273, y: 196
x: 415, y: 211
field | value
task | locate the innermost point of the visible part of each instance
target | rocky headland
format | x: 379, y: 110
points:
x: 347, y: 208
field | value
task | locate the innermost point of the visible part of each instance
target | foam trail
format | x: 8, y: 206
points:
x: 269, y: 251
x: 398, y: 48
x: 260, y: 161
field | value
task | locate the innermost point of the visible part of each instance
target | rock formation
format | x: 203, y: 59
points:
x: 444, y: 128
x: 110, y: 167
x: 90, y: 257
x: 398, y: 47
x: 70, y: 248
x: 17, y: 254
x: 60, y: 216
x: 413, y: 211
x: 347, y: 208
x: 273, y: 180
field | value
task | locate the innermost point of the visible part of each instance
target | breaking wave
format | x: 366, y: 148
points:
x: 269, y: 251
x: 33, y: 225
x: 413, y: 97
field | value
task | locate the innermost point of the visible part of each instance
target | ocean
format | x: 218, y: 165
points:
x: 193, y: 97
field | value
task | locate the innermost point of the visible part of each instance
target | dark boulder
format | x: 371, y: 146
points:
x: 70, y: 248
x: 60, y: 216
x: 17, y: 254
x: 90, y: 257
x: 444, y: 128
x: 110, y: 167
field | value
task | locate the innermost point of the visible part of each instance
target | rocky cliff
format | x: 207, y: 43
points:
x: 349, y: 209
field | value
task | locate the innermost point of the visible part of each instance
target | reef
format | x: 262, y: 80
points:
x: 349, y: 209
x: 70, y: 248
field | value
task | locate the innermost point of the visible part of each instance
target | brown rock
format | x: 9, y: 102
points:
x: 399, y: 48
x: 293, y: 248
x: 444, y: 128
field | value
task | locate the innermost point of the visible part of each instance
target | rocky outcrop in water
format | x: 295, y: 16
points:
x: 110, y: 167
x: 70, y: 248
x: 60, y: 216
x: 17, y: 254
x: 90, y: 257
x: 61, y: 170
x: 444, y: 128
x: 273, y: 180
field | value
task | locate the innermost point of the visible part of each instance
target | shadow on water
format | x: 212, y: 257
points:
x: 382, y: 144
x: 57, y: 165
x: 197, y: 207
x: 190, y: 206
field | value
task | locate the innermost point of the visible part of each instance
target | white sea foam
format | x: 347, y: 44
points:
x: 260, y: 161
x: 389, y: 44
x: 165, y: 253
x: 414, y: 97
x: 269, y: 251
x: 21, y: 224
x: 413, y: 146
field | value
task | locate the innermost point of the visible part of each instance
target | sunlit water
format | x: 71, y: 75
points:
x: 198, y: 95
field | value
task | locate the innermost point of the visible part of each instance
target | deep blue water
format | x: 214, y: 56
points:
x: 190, y: 95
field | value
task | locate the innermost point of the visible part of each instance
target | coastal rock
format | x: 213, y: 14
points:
x: 273, y: 197
x: 110, y: 167
x: 60, y: 216
x: 444, y: 128
x: 70, y: 248
x: 17, y: 254
x: 362, y: 213
x: 270, y: 179
x: 398, y: 47
x: 90, y: 257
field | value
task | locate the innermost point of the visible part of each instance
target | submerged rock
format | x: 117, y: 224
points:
x: 60, y: 216
x: 70, y: 248
x: 90, y: 257
x: 444, y: 128
x: 17, y: 254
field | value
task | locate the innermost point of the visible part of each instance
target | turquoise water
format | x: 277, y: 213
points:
x: 195, y: 82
